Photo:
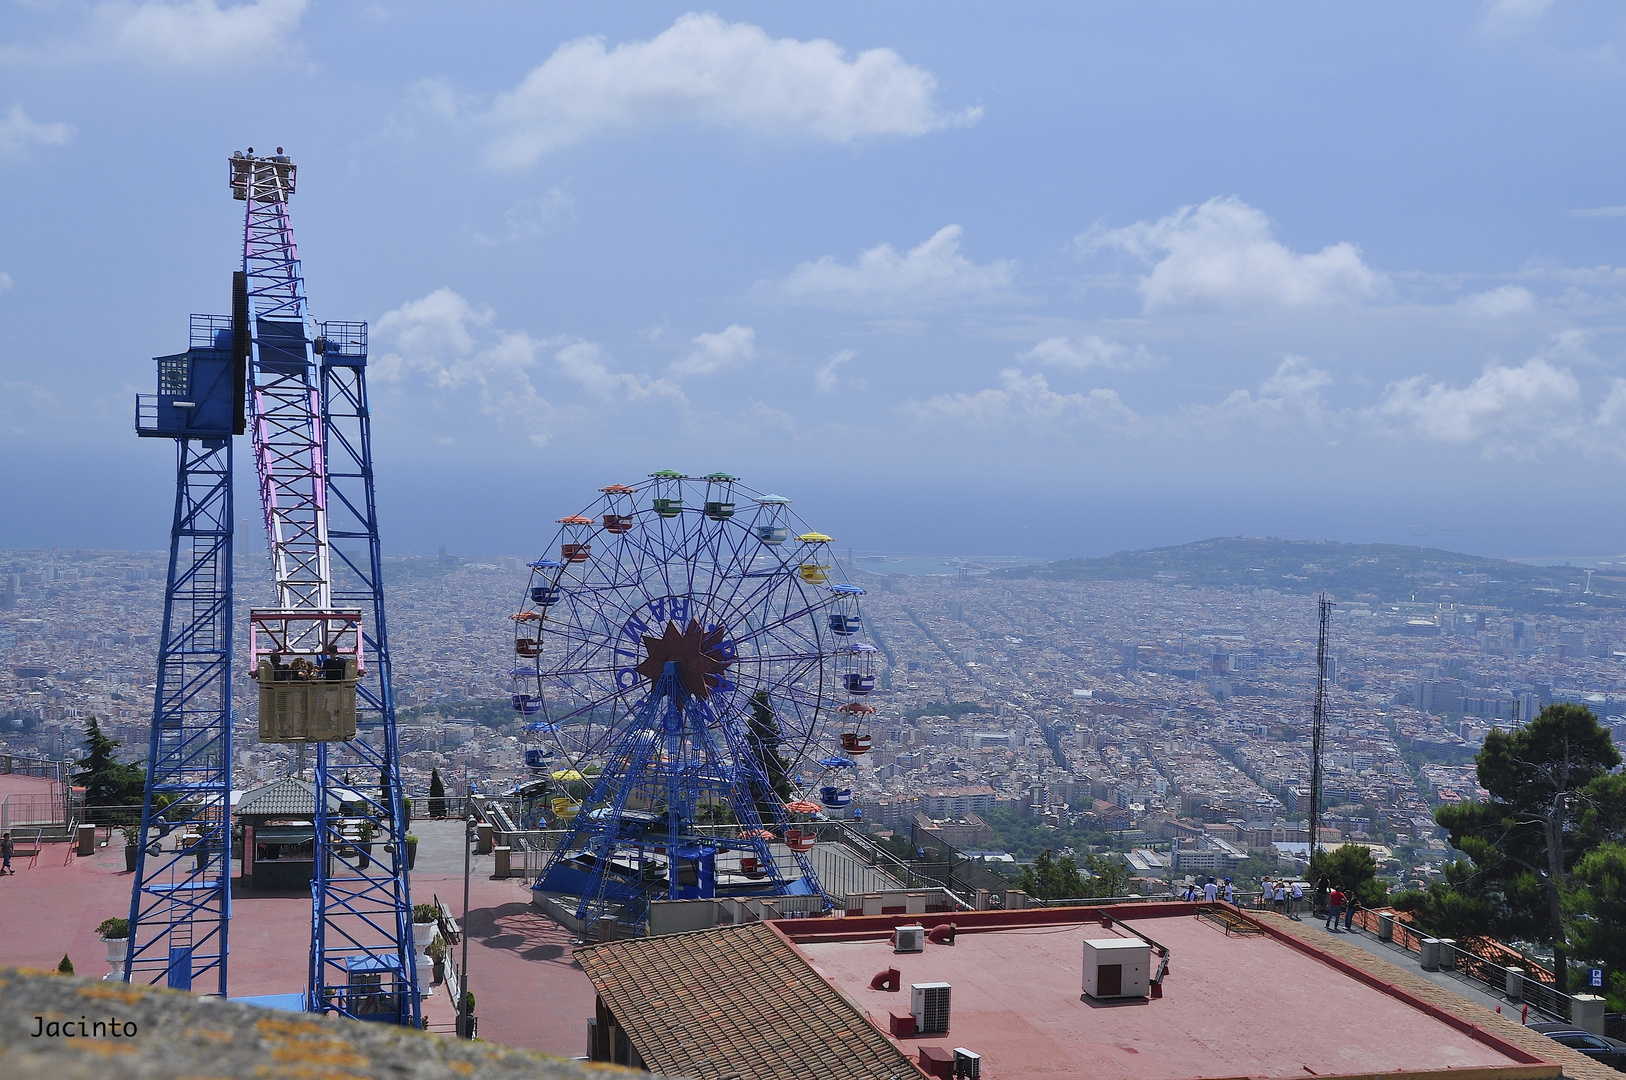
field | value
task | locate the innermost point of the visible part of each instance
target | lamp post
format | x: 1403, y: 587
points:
x: 463, y: 980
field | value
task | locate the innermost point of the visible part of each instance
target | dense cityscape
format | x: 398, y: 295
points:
x: 1165, y: 721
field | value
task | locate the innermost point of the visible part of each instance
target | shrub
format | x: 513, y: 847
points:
x: 66, y: 967
x: 422, y: 913
x: 113, y: 929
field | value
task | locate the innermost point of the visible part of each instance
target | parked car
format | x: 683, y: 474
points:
x: 1597, y: 1047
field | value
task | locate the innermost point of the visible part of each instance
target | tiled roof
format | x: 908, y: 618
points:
x: 289, y: 797
x: 736, y: 1003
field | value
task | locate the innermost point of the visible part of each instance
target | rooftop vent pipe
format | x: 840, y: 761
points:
x: 942, y: 934
x: 889, y: 980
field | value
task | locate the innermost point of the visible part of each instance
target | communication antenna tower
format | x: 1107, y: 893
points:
x: 1318, y: 716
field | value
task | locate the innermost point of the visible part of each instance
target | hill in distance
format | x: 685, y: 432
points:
x: 1375, y: 573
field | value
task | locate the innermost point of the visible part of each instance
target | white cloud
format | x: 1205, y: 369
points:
x: 1091, y: 351
x: 1024, y: 404
x: 535, y: 216
x: 584, y: 363
x: 196, y: 33
x: 436, y: 340
x: 1224, y: 254
x: 928, y: 275
x: 826, y: 379
x: 1510, y: 411
x: 22, y: 403
x: 19, y: 134
x: 5, y: 281
x: 1508, y: 15
x: 1289, y: 399
x: 1600, y: 212
x: 1499, y: 303
x: 704, y: 70
x: 730, y: 348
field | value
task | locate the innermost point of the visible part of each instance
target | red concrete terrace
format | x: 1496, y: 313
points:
x: 1256, y: 1005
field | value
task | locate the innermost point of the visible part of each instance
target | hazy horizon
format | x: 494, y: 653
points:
x: 1048, y: 281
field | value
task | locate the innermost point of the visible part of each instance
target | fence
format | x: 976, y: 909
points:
x: 33, y: 811
x: 18, y: 765
x: 1480, y: 960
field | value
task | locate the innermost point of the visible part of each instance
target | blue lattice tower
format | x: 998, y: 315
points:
x: 362, y: 923
x: 180, y: 903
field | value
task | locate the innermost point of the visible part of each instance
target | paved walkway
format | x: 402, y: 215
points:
x: 1403, y: 958
x: 529, y: 991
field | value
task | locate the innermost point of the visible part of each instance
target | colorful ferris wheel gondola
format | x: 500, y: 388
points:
x: 576, y: 546
x: 857, y: 667
x: 815, y: 566
x: 719, y: 502
x: 666, y: 497
x: 856, y: 715
x: 771, y: 524
x: 545, y: 585
x: 618, y: 509
x: 539, y: 752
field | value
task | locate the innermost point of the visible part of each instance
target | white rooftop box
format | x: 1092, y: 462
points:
x: 1117, y: 968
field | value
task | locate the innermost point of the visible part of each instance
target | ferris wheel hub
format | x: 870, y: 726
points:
x: 694, y: 649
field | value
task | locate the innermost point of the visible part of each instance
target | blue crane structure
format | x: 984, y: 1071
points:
x: 320, y: 657
x: 180, y: 905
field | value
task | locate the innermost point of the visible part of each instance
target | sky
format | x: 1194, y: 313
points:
x: 1025, y: 279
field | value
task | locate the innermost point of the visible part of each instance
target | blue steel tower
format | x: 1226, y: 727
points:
x: 180, y: 905
x: 320, y: 656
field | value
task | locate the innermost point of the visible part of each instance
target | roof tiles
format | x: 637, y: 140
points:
x: 690, y: 1003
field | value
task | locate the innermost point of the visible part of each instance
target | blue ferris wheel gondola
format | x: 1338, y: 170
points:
x: 838, y: 761
x: 538, y: 758
x: 526, y: 704
x: 835, y: 797
x: 540, y: 727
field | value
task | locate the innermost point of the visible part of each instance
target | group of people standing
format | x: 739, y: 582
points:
x: 1287, y: 898
x: 1209, y: 891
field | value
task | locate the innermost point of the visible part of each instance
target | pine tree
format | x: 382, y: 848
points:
x: 437, y: 795
x: 106, y: 781
x: 65, y: 967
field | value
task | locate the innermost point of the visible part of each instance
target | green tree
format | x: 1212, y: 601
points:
x: 1351, y: 868
x: 1050, y: 878
x: 1525, y: 841
x: 1599, y: 904
x: 437, y: 795
x: 763, y: 736
x: 107, y: 781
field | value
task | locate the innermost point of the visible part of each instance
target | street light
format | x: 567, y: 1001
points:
x: 469, y: 822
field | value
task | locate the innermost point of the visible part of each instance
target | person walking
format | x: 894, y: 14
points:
x: 1210, y: 891
x: 1335, y: 908
x: 6, y: 850
x: 1296, y: 908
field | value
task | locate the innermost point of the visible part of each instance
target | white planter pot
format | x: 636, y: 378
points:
x: 117, y: 950
x: 422, y: 934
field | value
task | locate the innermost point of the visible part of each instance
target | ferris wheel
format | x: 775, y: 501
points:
x: 691, y: 671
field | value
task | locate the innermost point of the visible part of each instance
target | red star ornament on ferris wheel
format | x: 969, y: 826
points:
x: 700, y: 666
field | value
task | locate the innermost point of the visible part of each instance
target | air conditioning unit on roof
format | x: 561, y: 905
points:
x: 909, y: 939
x: 1117, y: 967
x: 929, y: 1002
